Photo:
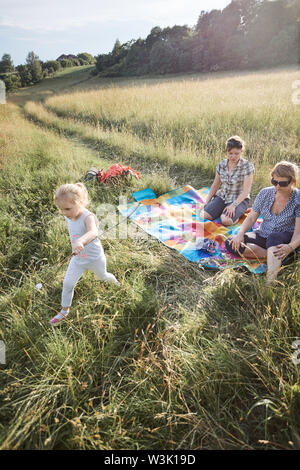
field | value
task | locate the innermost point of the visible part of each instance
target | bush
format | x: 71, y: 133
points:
x: 66, y: 63
x: 86, y: 58
x: 12, y: 81
x: 55, y: 65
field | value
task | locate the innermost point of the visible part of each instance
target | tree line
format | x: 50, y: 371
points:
x: 246, y: 34
x: 35, y: 69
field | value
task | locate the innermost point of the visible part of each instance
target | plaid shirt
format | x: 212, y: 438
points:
x: 232, y: 184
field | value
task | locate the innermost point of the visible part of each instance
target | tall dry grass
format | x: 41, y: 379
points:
x: 198, y: 114
x: 178, y: 358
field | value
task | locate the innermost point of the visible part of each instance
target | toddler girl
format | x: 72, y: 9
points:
x: 87, y: 251
x: 228, y: 197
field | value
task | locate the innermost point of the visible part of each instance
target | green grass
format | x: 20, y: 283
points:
x: 62, y: 81
x: 177, y: 358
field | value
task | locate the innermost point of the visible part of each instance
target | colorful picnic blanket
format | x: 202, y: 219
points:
x: 174, y: 219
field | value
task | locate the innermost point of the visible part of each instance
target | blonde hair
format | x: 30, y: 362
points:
x: 235, y: 141
x: 286, y: 170
x: 77, y: 193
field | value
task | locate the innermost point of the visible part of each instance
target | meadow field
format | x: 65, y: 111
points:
x: 178, y: 357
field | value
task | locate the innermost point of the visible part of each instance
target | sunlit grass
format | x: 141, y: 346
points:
x: 177, y: 358
x: 197, y: 113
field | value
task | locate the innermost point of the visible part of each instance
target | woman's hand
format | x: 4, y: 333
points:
x: 77, y: 248
x: 282, y: 251
x: 229, y: 210
x: 236, y: 241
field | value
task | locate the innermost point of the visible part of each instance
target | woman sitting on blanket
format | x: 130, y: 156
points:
x: 278, y: 236
x: 228, y: 197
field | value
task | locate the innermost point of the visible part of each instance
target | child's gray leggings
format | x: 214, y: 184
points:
x: 74, y: 273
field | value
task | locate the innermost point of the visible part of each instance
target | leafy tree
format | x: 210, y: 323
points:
x: 6, y: 64
x: 117, y: 50
x: 120, y: 51
x: 35, y: 67
x: 246, y: 33
x: 75, y: 62
x: 176, y: 34
x: 12, y: 82
x: 234, y: 53
x: 210, y: 42
x: 163, y: 58
x: 266, y: 24
x: 55, y: 65
x: 31, y: 58
x: 116, y: 59
x: 47, y: 72
x: 83, y: 62
x: 104, y: 61
x: 88, y: 58
x: 282, y: 49
x: 137, y: 58
x: 248, y: 11
x: 25, y: 75
x: 66, y: 63
x: 37, y: 72
x: 185, y: 55
x: 154, y: 36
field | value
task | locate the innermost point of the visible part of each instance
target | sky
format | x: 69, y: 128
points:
x: 55, y: 27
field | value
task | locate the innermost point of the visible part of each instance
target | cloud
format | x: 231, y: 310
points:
x: 72, y: 26
x: 35, y: 15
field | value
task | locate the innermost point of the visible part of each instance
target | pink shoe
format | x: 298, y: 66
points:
x: 59, y: 317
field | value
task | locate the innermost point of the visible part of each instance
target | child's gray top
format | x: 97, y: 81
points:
x: 77, y: 228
